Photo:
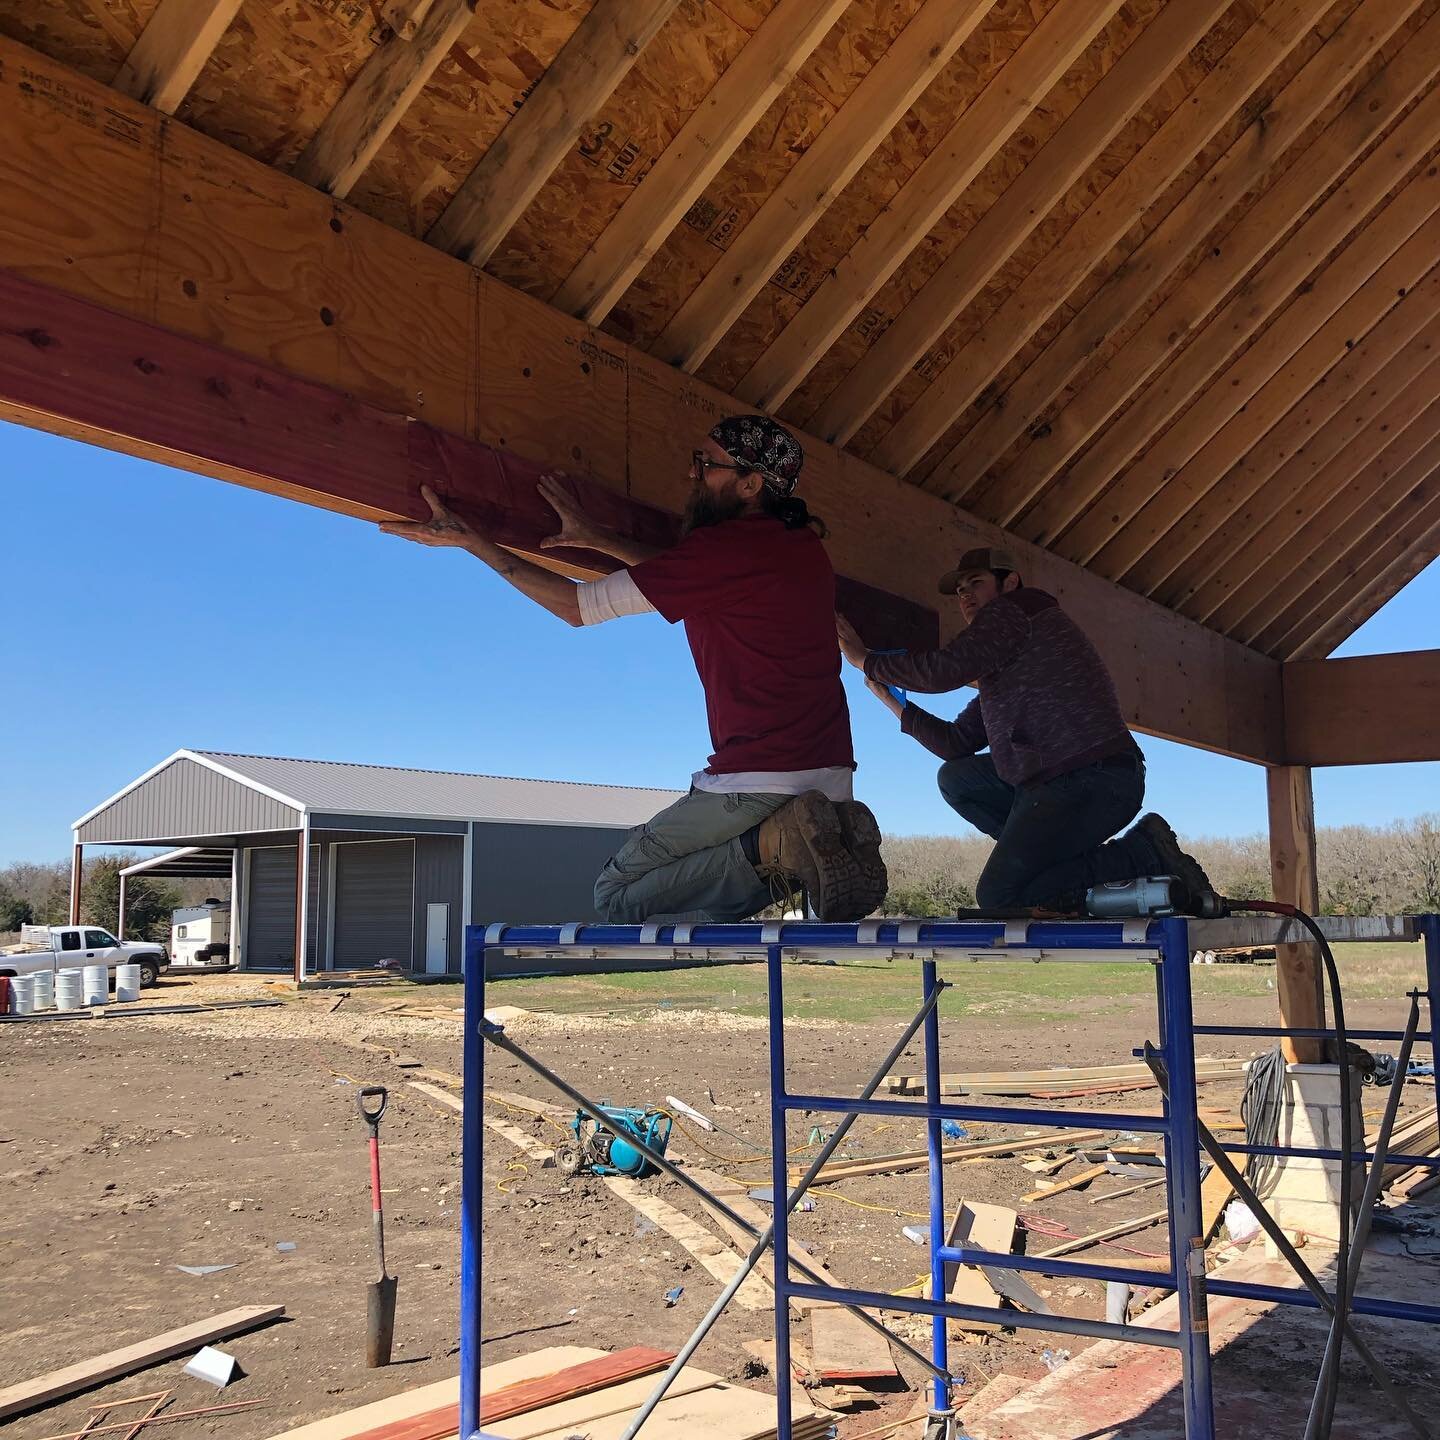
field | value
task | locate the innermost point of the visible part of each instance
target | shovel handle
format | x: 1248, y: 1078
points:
x: 372, y: 1116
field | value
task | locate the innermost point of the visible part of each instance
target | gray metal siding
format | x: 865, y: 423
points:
x: 539, y: 874
x: 269, y: 911
x: 186, y: 799
x: 439, y: 879
x: 374, y: 903
x: 382, y: 824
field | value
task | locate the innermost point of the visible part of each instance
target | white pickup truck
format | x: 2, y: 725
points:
x: 63, y: 947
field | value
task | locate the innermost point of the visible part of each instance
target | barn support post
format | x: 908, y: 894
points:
x: 302, y: 897
x: 77, y: 876
x: 120, y: 913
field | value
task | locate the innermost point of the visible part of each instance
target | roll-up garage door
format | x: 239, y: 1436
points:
x: 374, y: 902
x: 270, y: 932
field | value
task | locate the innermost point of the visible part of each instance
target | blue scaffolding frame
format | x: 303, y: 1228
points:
x: 1166, y: 944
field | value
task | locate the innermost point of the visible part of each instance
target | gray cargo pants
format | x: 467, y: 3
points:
x: 686, y: 864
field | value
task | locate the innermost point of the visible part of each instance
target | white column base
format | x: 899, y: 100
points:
x: 1306, y: 1196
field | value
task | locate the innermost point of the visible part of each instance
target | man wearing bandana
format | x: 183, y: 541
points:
x: 773, y: 810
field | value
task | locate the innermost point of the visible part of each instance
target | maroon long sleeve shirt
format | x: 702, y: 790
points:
x: 1046, y: 705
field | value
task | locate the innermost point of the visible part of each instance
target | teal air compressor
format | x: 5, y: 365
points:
x: 607, y: 1149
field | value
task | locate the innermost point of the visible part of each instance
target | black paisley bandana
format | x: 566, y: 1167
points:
x: 766, y: 447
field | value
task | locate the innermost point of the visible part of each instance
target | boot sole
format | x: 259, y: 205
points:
x: 1185, y: 868
x: 838, y: 881
x: 862, y: 835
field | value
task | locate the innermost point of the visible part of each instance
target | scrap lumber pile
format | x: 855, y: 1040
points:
x: 1419, y: 1135
x: 1056, y: 1084
x: 567, y: 1390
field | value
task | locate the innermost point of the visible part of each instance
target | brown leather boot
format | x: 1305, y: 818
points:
x: 804, y: 840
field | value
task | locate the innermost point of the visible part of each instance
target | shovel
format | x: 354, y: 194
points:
x: 380, y: 1303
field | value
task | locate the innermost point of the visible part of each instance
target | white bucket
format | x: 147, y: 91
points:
x: 127, y: 982
x: 97, y: 984
x: 69, y: 990
x: 22, y: 994
x: 44, y: 983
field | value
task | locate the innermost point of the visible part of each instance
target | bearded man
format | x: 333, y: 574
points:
x: 773, y: 810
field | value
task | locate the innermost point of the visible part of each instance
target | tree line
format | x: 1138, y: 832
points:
x: 1363, y: 869
x: 38, y: 893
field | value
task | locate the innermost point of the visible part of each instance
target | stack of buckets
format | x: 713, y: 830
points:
x: 74, y: 989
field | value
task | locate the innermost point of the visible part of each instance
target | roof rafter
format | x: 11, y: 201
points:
x: 396, y: 72
x: 525, y: 154
x: 1191, y: 305
x: 1213, y: 491
x: 1159, y: 162
x: 1393, y: 566
x: 1352, y: 458
x: 1377, y: 564
x: 937, y: 183
x: 1143, y: 499
x: 1392, y: 476
x: 1264, y: 142
x: 868, y: 115
x: 167, y: 59
x: 1004, y: 227
x: 742, y: 94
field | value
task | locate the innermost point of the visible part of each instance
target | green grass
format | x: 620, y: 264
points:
x: 1025, y: 994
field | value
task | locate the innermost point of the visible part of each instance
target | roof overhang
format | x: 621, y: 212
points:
x: 193, y: 862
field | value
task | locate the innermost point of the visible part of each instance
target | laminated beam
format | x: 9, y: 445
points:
x: 351, y: 135
x: 167, y: 59
x: 1009, y: 413
x: 1105, y: 222
x: 1055, y: 44
x: 155, y: 223
x: 1107, y: 107
x: 742, y: 94
x: 528, y: 151
x: 921, y: 50
x: 1363, y: 710
x: 1188, y: 310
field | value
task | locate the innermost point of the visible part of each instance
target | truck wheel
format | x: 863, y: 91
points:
x: 149, y: 974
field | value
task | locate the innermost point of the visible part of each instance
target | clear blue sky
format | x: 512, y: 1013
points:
x: 147, y: 609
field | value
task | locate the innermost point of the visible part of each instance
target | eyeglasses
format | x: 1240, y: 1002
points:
x: 700, y: 462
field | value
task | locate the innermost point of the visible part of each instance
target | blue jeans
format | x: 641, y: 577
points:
x: 1052, y: 840
x: 686, y: 864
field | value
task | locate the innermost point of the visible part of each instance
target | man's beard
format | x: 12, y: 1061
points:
x: 706, y: 508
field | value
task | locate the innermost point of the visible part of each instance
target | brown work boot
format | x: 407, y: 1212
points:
x: 862, y: 837
x: 1199, y: 896
x: 803, y: 839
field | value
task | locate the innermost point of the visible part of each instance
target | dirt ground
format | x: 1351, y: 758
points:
x: 131, y: 1147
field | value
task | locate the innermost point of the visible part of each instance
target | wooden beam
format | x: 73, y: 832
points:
x: 767, y: 64
x: 1140, y: 494
x: 1187, y: 311
x: 167, y: 59
x: 396, y: 72
x: 1363, y: 710
x: 1377, y: 577
x: 1211, y: 492
x: 1005, y: 225
x: 1292, y: 879
x: 1009, y: 413
x: 1159, y: 162
x: 789, y: 212
x: 911, y: 213
x: 525, y: 154
x: 28, y: 1394
x: 415, y: 356
x: 1370, y: 441
x: 405, y: 17
x: 1386, y: 494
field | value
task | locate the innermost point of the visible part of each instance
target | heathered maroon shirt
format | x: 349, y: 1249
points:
x: 1046, y: 705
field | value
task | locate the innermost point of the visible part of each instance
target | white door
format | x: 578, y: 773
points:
x: 437, y: 938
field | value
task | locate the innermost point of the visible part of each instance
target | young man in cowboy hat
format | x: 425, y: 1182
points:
x: 773, y: 809
x: 1063, y: 773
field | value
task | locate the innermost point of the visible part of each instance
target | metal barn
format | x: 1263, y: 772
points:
x: 392, y: 863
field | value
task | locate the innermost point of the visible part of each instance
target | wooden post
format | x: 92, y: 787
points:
x: 76, y: 879
x: 1292, y: 874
